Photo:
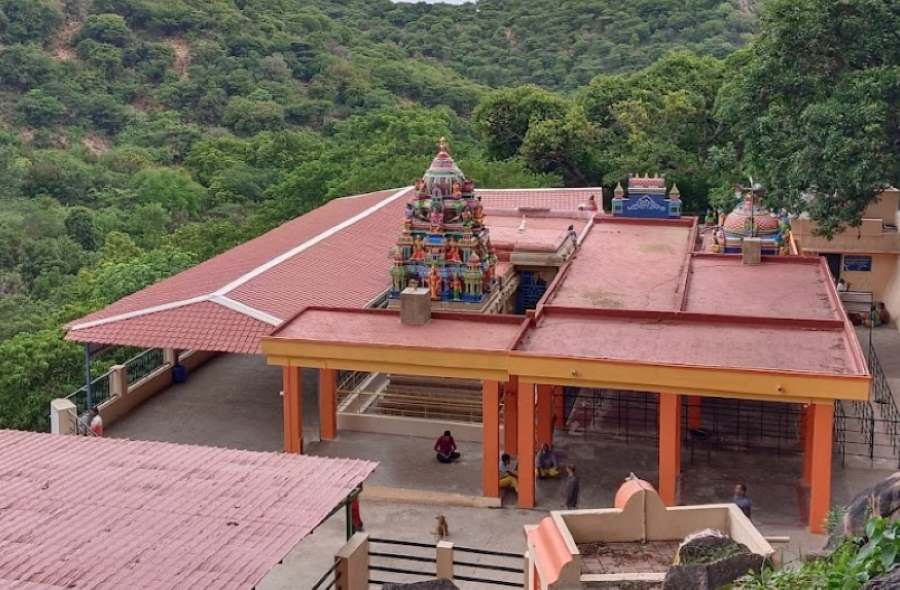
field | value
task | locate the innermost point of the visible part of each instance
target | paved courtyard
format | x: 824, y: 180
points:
x: 234, y: 401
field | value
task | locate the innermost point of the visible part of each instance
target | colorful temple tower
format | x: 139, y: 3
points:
x: 444, y: 245
x: 646, y: 198
x: 751, y: 219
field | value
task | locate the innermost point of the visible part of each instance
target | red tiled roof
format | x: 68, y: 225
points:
x: 336, y: 255
x: 198, y: 326
x: 105, y: 514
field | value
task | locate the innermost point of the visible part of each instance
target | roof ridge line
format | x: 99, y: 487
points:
x: 245, y: 309
x: 141, y: 312
x: 219, y: 296
x: 537, y: 190
x: 248, y: 276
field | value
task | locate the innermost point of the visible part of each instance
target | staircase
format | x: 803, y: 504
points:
x: 433, y: 398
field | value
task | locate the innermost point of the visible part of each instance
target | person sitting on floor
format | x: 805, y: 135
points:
x: 508, y: 477
x: 547, y: 462
x: 445, y: 447
x: 880, y: 316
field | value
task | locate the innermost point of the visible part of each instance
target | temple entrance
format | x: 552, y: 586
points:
x: 834, y: 264
x: 532, y: 287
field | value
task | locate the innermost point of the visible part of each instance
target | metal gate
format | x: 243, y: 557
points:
x: 531, y: 288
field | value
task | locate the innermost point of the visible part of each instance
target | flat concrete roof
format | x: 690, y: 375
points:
x: 783, y: 286
x: 628, y: 264
x: 695, y: 340
x: 445, y: 331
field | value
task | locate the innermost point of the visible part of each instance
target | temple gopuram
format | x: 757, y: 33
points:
x: 444, y: 245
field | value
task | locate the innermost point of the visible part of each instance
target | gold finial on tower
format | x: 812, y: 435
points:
x: 442, y: 144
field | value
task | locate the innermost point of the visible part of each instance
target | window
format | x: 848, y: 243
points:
x: 857, y: 263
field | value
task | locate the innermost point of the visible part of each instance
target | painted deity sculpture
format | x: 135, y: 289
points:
x: 444, y: 243
x: 434, y: 283
x: 418, y: 253
x: 452, y: 254
x: 456, y: 287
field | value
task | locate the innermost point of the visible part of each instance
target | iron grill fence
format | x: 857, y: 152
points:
x: 410, y: 561
x: 99, y: 393
x: 144, y: 363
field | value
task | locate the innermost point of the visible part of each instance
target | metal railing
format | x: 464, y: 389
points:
x: 144, y: 363
x: 329, y: 579
x: 518, y: 571
x: 382, y: 567
x: 471, y: 571
x: 348, y: 381
x: 136, y: 368
x: 99, y: 393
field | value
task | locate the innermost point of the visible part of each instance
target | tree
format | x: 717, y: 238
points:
x: 504, y: 116
x: 813, y: 105
x: 61, y: 175
x: 80, y: 227
x: 39, y: 109
x: 29, y: 21
x: 106, y: 28
x: 247, y: 117
x: 173, y: 188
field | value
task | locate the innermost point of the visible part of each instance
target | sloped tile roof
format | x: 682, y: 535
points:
x: 78, y: 512
x: 335, y: 255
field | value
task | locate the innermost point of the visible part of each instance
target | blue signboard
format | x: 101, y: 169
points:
x: 647, y: 206
x: 858, y: 263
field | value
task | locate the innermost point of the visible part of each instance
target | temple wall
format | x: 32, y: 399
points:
x: 142, y: 390
x: 879, y: 280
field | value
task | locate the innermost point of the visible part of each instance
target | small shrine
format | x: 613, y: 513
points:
x: 444, y: 245
x: 751, y: 219
x: 646, y: 198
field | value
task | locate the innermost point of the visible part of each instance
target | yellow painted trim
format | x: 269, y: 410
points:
x: 704, y: 381
x: 752, y: 384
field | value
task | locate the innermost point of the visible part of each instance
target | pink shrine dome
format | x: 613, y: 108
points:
x: 738, y: 222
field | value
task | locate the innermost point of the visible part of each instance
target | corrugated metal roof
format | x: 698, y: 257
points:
x: 79, y: 513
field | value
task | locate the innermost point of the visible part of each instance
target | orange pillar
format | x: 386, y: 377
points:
x: 525, y: 466
x: 544, y: 414
x: 820, y: 485
x: 490, y: 439
x: 559, y: 407
x: 510, y: 415
x: 669, y: 446
x: 327, y: 404
x: 695, y: 409
x: 293, y: 410
x: 806, y: 432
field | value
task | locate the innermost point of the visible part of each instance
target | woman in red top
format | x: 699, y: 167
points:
x: 445, y: 447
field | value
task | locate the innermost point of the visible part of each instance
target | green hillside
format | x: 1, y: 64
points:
x: 139, y: 137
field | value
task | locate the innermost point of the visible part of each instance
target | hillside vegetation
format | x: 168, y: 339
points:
x: 139, y: 137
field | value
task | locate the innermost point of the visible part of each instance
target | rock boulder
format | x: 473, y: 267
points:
x: 708, y: 560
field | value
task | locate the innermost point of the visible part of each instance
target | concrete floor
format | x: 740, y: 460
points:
x: 234, y: 402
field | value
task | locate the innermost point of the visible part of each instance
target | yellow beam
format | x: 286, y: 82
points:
x: 760, y: 385
x: 706, y: 381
